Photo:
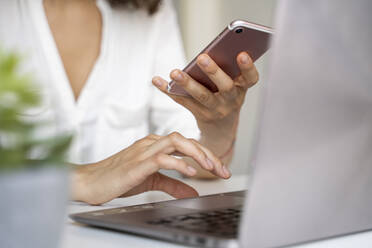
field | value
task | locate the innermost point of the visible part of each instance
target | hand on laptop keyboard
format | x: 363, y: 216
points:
x: 135, y: 170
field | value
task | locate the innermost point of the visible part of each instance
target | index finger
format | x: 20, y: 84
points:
x: 177, y: 143
x: 223, y: 81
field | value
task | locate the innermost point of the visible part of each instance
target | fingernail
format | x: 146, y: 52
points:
x: 226, y: 171
x: 191, y: 170
x: 204, y: 60
x: 210, y: 164
x: 157, y: 82
x: 244, y: 58
x: 177, y: 75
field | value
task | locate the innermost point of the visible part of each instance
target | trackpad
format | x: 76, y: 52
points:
x: 208, y: 202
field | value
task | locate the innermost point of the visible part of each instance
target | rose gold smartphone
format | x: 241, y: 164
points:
x: 237, y: 37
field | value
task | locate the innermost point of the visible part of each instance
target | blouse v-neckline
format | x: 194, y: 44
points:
x: 57, y: 70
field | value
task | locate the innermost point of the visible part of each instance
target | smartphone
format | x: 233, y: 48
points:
x: 237, y: 37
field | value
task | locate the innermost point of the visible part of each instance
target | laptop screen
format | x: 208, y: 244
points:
x: 313, y: 173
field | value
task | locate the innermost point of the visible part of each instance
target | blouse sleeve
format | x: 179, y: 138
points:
x: 166, y: 115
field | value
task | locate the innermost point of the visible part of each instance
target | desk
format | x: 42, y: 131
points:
x: 77, y: 235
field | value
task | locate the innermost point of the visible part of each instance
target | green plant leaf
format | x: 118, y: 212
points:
x: 18, y: 94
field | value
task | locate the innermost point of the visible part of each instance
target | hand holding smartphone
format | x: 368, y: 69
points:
x: 237, y: 37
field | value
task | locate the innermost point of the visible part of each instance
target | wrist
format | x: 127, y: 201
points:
x: 220, y: 130
x: 78, y: 184
x: 220, y: 145
x: 223, y: 133
x: 228, y: 152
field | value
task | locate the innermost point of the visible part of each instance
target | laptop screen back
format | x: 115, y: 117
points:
x: 313, y: 165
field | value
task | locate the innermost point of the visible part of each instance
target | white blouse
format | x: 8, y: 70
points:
x: 118, y: 104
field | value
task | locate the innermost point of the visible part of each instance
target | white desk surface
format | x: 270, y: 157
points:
x: 77, y: 235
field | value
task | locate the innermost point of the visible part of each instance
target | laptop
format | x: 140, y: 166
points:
x: 312, y: 175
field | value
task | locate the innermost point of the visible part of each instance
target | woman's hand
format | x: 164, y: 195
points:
x: 217, y: 113
x: 135, y: 170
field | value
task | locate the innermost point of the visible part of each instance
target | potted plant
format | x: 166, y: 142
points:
x: 33, y: 175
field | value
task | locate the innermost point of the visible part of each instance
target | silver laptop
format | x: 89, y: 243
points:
x: 313, y: 162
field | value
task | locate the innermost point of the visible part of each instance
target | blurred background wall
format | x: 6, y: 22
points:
x: 200, y: 22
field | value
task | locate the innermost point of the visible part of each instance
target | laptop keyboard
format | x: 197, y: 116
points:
x: 221, y: 222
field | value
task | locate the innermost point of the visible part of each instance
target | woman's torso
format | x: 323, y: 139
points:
x: 117, y: 102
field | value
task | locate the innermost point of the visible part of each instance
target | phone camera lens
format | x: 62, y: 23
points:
x: 239, y: 30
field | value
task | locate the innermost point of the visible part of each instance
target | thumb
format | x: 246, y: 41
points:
x: 172, y: 186
x: 163, y: 183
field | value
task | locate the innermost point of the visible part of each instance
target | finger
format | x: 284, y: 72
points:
x: 188, y: 102
x: 162, y: 85
x: 168, y: 162
x: 158, y: 181
x: 175, y: 142
x: 248, y: 70
x: 218, y: 168
x: 139, y: 173
x: 223, y: 81
x: 195, y: 107
x: 173, y: 187
x: 196, y: 90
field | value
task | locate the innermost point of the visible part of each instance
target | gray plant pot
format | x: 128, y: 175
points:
x: 33, y: 205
